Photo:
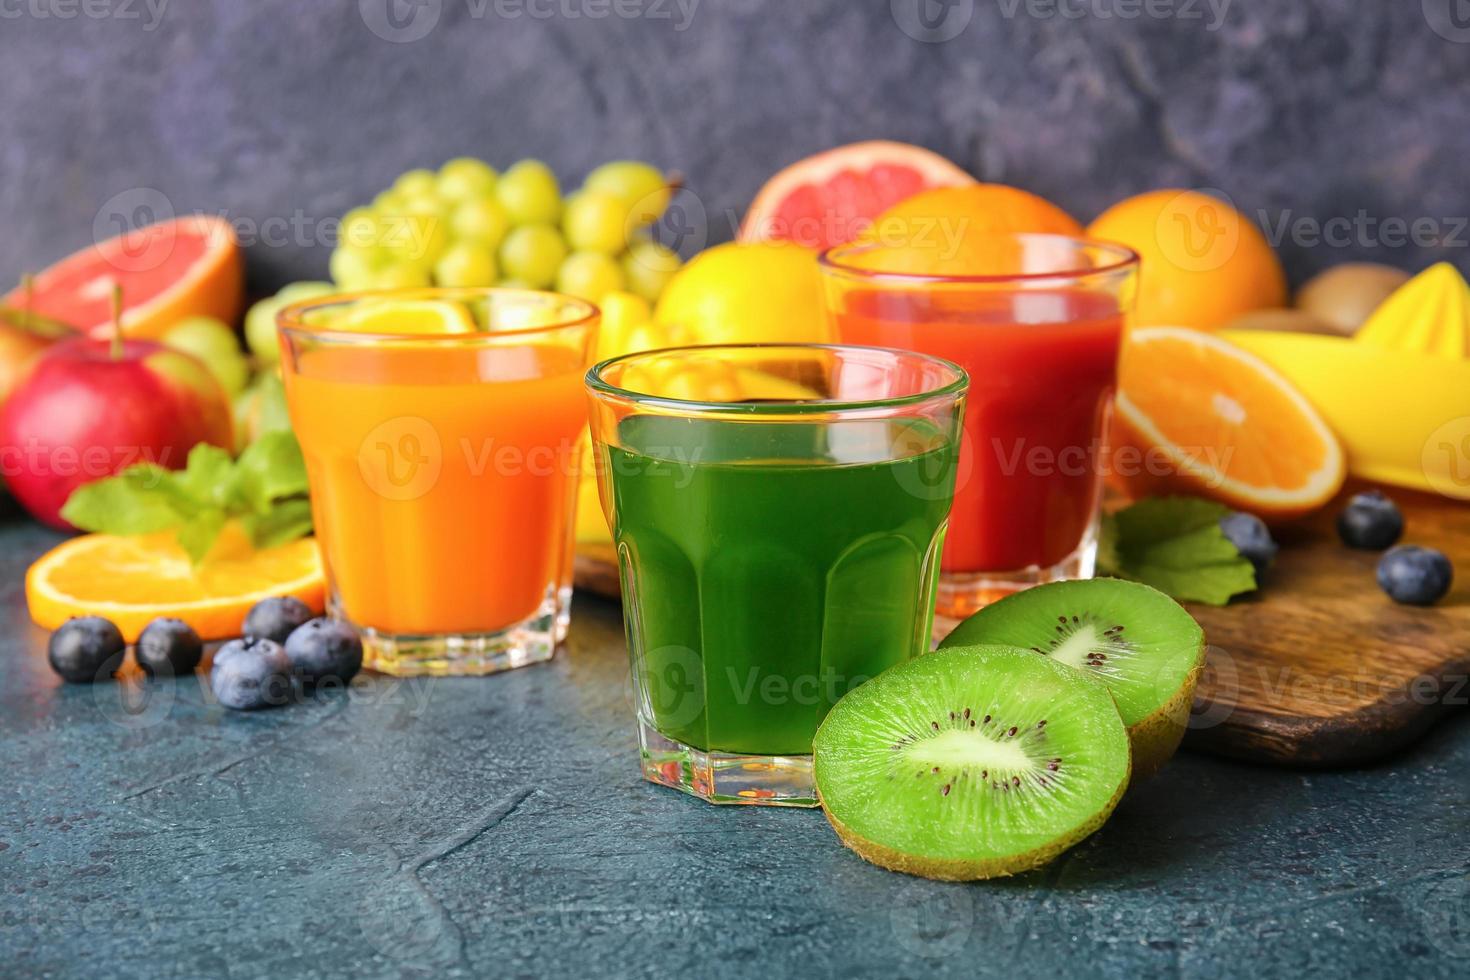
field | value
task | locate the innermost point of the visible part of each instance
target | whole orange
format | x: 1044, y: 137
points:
x: 1203, y: 262
x: 948, y: 231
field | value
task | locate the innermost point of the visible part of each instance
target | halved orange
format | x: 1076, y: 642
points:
x: 1199, y: 415
x: 134, y: 580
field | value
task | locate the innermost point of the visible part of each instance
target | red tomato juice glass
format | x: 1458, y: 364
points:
x: 1038, y: 326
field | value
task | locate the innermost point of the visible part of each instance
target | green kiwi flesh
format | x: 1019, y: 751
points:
x: 1135, y: 639
x: 970, y: 762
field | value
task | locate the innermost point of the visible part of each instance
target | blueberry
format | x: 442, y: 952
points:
x: 1251, y: 538
x: 1415, y: 576
x: 1370, y: 521
x: 274, y: 619
x: 167, y: 648
x: 86, y: 649
x: 250, y: 673
x: 324, y: 649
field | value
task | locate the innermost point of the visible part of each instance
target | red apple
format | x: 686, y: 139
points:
x: 23, y: 335
x: 89, y: 408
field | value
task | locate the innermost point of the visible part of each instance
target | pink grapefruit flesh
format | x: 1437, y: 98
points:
x: 832, y: 197
x: 169, y: 271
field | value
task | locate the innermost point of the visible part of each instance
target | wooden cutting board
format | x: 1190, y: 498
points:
x: 1320, y: 668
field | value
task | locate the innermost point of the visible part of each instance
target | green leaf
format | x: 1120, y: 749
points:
x: 265, y: 489
x: 271, y: 468
x: 207, y: 479
x: 123, y: 505
x: 1175, y: 544
x: 199, y: 534
x: 287, y: 521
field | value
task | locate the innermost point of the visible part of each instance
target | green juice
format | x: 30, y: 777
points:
x: 769, y: 567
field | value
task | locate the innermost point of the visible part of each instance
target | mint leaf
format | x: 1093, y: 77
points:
x: 269, y: 469
x: 200, y: 533
x: 122, y: 505
x: 287, y: 521
x: 1175, y: 545
x: 265, y: 489
x: 207, y: 478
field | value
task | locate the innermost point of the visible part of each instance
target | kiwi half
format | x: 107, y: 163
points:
x: 1135, y: 639
x: 970, y: 762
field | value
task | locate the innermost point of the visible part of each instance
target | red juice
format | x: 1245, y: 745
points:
x: 1042, y: 364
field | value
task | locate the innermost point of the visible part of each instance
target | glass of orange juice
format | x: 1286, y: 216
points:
x: 443, y: 432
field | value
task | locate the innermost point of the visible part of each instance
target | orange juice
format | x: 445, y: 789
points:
x: 443, y: 481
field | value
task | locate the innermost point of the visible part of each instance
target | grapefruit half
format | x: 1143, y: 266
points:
x: 189, y: 266
x: 832, y: 197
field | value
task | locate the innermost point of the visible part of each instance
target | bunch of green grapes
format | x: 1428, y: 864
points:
x: 470, y: 226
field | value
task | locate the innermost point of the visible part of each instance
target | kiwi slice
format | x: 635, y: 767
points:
x: 1136, y: 640
x: 970, y: 762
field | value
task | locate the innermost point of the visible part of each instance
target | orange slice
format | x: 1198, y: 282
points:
x: 1199, y: 415
x: 134, y: 580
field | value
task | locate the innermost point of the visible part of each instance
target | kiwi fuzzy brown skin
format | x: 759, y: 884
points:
x: 941, y: 869
x: 1155, y: 736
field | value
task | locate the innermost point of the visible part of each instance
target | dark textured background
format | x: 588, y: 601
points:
x: 499, y: 828
x: 288, y: 109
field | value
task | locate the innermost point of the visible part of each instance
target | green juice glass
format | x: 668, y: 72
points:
x: 779, y: 512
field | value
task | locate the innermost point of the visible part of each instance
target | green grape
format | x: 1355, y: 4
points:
x: 401, y: 275
x: 260, y: 322
x: 464, y: 178
x: 295, y: 292
x: 532, y: 253
x: 529, y: 193
x: 353, y: 268
x: 643, y: 190
x: 596, y: 221
x: 482, y: 221
x: 465, y: 264
x: 416, y: 183
x: 359, y: 228
x: 215, y: 345
x: 648, y: 266
x: 388, y: 202
x: 260, y: 329
x: 589, y: 275
x: 419, y: 235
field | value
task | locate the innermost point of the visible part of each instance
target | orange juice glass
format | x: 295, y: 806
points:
x: 443, y: 467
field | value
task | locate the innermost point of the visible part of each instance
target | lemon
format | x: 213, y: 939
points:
x: 622, y: 314
x: 765, y: 292
x: 426, y: 317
